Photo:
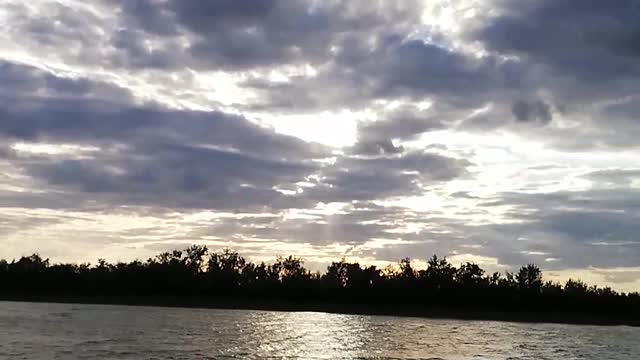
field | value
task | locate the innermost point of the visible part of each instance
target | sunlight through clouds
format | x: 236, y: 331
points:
x: 323, y: 129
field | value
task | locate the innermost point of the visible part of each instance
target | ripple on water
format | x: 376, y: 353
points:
x: 48, y: 331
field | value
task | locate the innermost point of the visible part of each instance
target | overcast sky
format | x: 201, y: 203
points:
x: 502, y: 132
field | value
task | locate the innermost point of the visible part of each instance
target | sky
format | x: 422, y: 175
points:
x: 500, y: 132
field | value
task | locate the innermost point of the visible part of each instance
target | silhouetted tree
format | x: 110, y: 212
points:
x: 530, y: 278
x: 551, y: 288
x: 470, y: 275
x: 406, y: 270
x: 440, y: 274
x: 575, y: 288
x: 225, y: 270
x: 351, y: 276
x: 194, y: 260
x: 196, y: 272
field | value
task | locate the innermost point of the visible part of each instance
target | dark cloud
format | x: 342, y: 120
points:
x: 59, y: 31
x: 417, y: 69
x: 175, y: 176
x: 235, y: 35
x: 365, y: 52
x: 614, y: 177
x: 54, y: 23
x: 582, y: 228
x: 23, y: 83
x: 536, y: 111
x: 600, y: 42
x: 395, y: 68
x: 59, y: 109
x: 375, y: 178
x: 148, y: 15
x: 130, y: 51
x: 377, y: 147
x: 587, y: 67
x: 150, y: 155
x: 404, y: 123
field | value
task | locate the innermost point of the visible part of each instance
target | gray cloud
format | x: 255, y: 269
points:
x: 364, y: 53
x: 373, y: 178
x: 150, y: 155
x: 395, y: 68
x: 614, y: 177
x: 566, y: 85
x: 404, y: 123
x: 174, y: 176
x: 582, y: 228
x: 587, y: 67
x: 64, y: 109
x: 619, y: 277
x: 231, y: 35
x: 536, y: 111
x: 600, y: 42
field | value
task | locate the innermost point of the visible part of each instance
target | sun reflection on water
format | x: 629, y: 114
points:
x: 327, y: 336
x: 53, y: 331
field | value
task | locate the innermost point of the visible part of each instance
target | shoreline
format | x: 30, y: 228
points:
x: 220, y: 303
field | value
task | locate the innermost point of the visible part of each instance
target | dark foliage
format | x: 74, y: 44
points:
x: 196, y: 273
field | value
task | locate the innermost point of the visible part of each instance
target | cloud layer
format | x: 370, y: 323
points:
x: 486, y: 130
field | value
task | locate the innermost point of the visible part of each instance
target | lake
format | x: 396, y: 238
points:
x: 63, y: 331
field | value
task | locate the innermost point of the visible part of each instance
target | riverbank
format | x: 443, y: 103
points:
x: 336, y: 308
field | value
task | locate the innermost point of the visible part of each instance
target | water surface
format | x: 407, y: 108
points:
x: 61, y: 331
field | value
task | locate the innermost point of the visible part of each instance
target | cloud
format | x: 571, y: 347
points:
x: 586, y: 69
x: 153, y: 156
x: 378, y: 178
x: 63, y: 109
x: 614, y: 177
x: 583, y: 228
x: 404, y: 123
x: 213, y: 35
x: 394, y: 67
x: 148, y: 154
x: 536, y: 111
x: 599, y: 42
x: 494, y: 130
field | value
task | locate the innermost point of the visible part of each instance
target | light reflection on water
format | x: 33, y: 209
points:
x: 56, y: 331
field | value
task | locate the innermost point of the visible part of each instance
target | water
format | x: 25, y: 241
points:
x: 58, y: 331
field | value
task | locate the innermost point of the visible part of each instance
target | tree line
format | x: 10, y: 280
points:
x: 198, y: 273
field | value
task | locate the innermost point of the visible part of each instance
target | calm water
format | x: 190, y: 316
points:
x: 55, y: 331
